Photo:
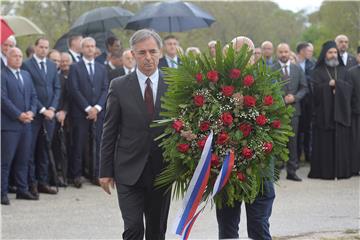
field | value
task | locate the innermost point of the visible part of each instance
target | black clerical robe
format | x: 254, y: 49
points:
x: 353, y: 77
x: 331, y: 150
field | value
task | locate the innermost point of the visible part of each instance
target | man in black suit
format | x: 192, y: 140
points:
x: 128, y: 62
x: 129, y: 155
x: 46, y: 81
x: 295, y: 89
x: 170, y: 58
x: 114, y: 65
x: 18, y: 108
x: 112, y: 44
x: 10, y: 42
x: 342, y: 43
x: 74, y: 47
x: 88, y: 87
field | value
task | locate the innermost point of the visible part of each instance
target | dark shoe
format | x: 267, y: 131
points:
x: 26, y: 196
x: 95, y: 181
x: 34, y: 190
x: 46, y: 189
x: 12, y: 189
x: 293, y: 177
x: 5, y: 200
x: 77, y: 182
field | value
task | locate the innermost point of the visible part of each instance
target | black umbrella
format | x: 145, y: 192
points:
x: 93, y: 152
x: 101, y: 20
x: 171, y: 16
x: 50, y: 154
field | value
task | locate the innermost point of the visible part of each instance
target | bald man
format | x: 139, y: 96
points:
x: 267, y: 50
x: 342, y: 43
x: 295, y: 89
x: 18, y: 109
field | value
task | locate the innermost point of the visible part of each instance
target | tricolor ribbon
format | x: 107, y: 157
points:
x: 225, y: 172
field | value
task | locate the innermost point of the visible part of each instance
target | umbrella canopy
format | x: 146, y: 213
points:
x: 22, y: 26
x: 101, y: 20
x: 170, y: 16
x: 6, y: 31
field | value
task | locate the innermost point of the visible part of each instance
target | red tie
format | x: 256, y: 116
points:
x: 149, y: 99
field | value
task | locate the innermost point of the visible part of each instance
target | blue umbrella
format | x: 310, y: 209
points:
x: 101, y: 19
x: 170, y: 16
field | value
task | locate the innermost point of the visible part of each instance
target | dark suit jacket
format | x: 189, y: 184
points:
x: 296, y: 86
x: 83, y: 91
x: 128, y: 141
x: 101, y: 58
x: 114, y: 73
x: 47, y: 88
x: 73, y: 57
x: 351, y: 61
x: 353, y: 77
x: 65, y: 96
x: 16, y: 100
x: 163, y: 62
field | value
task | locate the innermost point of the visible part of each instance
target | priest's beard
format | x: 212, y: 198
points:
x: 333, y: 62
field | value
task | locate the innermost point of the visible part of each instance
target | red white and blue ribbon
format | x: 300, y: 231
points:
x: 186, y: 216
x: 225, y: 173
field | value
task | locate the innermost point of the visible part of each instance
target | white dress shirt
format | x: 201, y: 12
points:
x: 154, y: 82
x: 345, y: 57
x: 287, y: 64
x: 127, y: 71
x: 172, y: 62
x: 14, y: 72
x: 86, y: 61
x: 77, y: 56
x: 39, y: 60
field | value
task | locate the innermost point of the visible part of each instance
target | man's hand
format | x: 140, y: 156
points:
x: 60, y: 116
x: 30, y: 116
x: 332, y: 83
x: 23, y: 117
x: 105, y: 183
x: 289, y: 99
x: 49, y: 114
x: 92, y: 114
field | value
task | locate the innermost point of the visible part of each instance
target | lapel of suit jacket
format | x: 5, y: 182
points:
x: 36, y: 66
x: 160, y: 92
x: 17, y: 82
x: 136, y: 92
x: 85, y: 71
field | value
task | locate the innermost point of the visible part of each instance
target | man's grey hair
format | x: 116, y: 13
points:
x: 144, y: 34
x: 67, y: 55
x: 86, y: 40
x: 12, y: 38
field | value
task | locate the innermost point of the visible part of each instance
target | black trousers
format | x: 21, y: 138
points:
x: 293, y: 162
x: 140, y: 200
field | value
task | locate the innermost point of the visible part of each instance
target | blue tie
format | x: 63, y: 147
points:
x: 20, y: 81
x: 91, y: 72
x: 43, y: 68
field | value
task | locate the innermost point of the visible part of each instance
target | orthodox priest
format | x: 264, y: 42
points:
x: 332, y: 116
x: 353, y: 77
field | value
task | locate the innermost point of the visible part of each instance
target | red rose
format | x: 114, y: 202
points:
x: 267, y: 147
x: 213, y: 76
x: 248, y: 80
x: 268, y: 100
x: 199, y: 100
x: 227, y: 118
x: 177, y: 125
x: 261, y: 120
x: 235, y: 73
x: 245, y: 128
x: 247, y: 152
x: 276, y: 123
x: 222, y: 138
x: 228, y: 90
x: 214, y: 160
x: 241, y: 176
x: 183, y: 147
x: 201, y: 143
x: 249, y: 101
x: 199, y: 78
x: 204, y: 126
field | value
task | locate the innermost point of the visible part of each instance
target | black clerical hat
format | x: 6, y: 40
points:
x: 325, y: 48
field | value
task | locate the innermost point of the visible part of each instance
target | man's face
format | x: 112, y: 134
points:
x: 115, y: 47
x: 5, y: 46
x: 128, y: 60
x: 56, y: 58
x: 212, y: 50
x: 283, y: 53
x: 14, y: 59
x: 42, y: 49
x: 170, y: 46
x: 77, y: 44
x: 257, y: 54
x: 146, y: 54
x: 309, y: 52
x: 116, y: 61
x: 342, y: 44
x: 331, y: 54
x: 65, y: 62
x: 88, y: 49
x: 268, y: 50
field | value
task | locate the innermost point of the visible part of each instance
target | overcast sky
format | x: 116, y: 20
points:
x: 297, y: 5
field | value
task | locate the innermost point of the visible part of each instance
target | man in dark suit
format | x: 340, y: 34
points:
x: 47, y: 85
x: 342, y: 43
x: 112, y: 44
x: 10, y: 42
x: 74, y: 47
x: 18, y: 108
x: 88, y: 88
x: 295, y: 89
x: 129, y: 155
x: 267, y: 50
x: 170, y: 58
x: 114, y: 65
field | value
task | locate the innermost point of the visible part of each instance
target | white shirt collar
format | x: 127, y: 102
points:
x: 284, y: 64
x: 38, y: 60
x: 142, y: 77
x: 75, y: 54
x: 127, y: 71
x: 111, y: 65
x: 86, y: 61
x: 14, y: 70
x: 345, y: 57
x: 3, y: 57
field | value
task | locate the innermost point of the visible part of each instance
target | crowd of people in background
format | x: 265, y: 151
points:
x: 53, y: 92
